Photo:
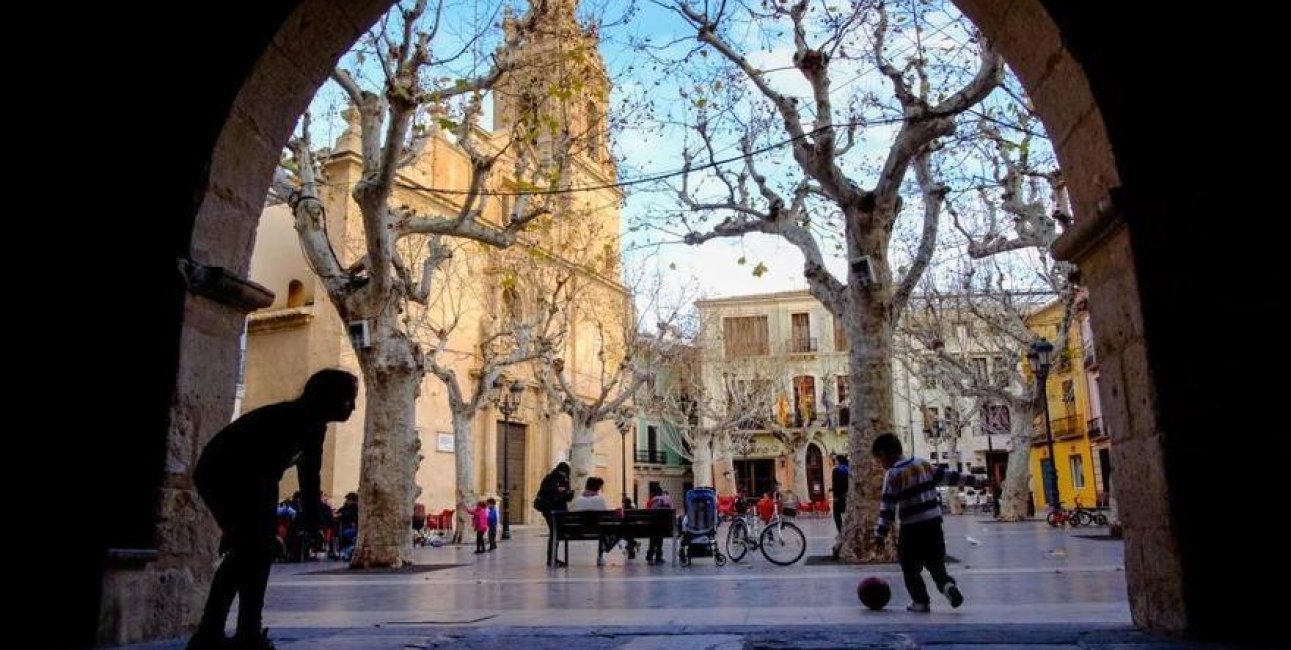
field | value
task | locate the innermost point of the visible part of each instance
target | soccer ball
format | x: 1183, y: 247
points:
x: 874, y: 592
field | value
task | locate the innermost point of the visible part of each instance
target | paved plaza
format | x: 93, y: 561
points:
x: 1025, y: 584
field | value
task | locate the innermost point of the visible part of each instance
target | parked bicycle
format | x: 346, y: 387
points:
x: 781, y: 541
x: 1078, y: 516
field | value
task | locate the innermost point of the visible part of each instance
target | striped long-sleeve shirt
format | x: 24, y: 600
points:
x: 910, y: 491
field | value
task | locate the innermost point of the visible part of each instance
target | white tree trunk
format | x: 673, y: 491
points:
x: 869, y: 330
x: 1017, y: 480
x: 391, y: 454
x: 702, y: 463
x: 800, y: 470
x: 582, y: 453
x: 726, y: 458
x: 464, y: 461
x: 956, y: 507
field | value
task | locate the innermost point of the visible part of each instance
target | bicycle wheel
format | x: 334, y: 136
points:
x: 783, y: 543
x: 1100, y: 519
x: 1055, y: 517
x: 736, y: 545
x: 1081, y: 518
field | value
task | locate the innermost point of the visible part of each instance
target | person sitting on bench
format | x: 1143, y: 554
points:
x: 592, y: 499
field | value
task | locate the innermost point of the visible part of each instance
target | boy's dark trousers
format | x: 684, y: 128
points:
x: 655, y: 550
x: 479, y: 541
x: 922, y: 545
x: 493, y: 536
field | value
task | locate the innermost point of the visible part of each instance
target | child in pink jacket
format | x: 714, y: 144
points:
x: 479, y: 521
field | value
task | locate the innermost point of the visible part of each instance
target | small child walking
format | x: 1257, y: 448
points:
x: 479, y: 521
x: 493, y: 524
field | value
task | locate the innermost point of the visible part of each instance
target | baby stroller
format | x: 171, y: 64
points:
x: 699, y: 527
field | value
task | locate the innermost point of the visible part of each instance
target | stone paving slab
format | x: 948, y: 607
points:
x: 970, y: 637
x: 1027, y: 585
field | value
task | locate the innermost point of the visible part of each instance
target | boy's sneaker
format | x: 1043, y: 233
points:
x: 952, y: 594
x: 258, y: 642
x: 208, y: 641
x: 600, y: 561
x: 918, y: 608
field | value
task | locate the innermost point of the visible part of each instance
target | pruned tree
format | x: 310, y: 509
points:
x: 426, y: 91
x: 712, y: 408
x: 824, y: 186
x: 470, y: 353
x: 972, y: 312
x: 599, y: 350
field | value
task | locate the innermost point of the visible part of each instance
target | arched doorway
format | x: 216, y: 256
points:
x: 1096, y: 73
x: 815, y: 473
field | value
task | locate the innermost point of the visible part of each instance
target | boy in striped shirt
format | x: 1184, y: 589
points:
x: 910, y: 491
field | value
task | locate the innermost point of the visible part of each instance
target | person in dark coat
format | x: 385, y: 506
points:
x: 237, y: 477
x: 554, y: 495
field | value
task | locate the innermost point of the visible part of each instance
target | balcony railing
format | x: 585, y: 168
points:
x: 802, y: 344
x: 1095, y: 428
x: 652, y: 456
x: 1067, y: 427
x: 753, y: 423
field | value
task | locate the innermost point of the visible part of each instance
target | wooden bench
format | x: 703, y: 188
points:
x: 596, y: 525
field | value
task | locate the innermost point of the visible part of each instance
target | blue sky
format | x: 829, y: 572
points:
x: 651, y: 146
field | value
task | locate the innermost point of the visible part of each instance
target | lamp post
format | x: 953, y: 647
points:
x: 624, y: 424
x: 1039, y: 356
x: 508, y: 401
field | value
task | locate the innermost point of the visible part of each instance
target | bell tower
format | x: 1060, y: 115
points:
x: 558, y: 92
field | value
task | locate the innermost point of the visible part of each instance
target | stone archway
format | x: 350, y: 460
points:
x: 1123, y: 242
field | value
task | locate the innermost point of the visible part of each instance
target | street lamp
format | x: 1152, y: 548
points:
x: 624, y: 423
x: 508, y: 401
x: 1039, y: 356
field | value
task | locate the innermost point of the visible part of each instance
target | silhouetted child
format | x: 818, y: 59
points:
x: 493, y: 523
x: 480, y: 521
x: 910, y: 491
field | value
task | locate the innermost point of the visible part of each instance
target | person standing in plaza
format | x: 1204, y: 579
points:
x: 554, y: 495
x: 838, y: 485
x: 660, y: 500
x: 909, y: 492
x: 237, y: 477
x: 493, y: 524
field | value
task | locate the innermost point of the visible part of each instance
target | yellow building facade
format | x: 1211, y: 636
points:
x: 1071, y: 414
x: 301, y: 332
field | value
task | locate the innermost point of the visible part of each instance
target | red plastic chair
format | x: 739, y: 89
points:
x: 821, y: 506
x: 725, y: 506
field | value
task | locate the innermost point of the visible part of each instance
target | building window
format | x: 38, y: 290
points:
x: 844, y: 406
x: 800, y: 339
x: 995, y: 419
x: 745, y: 336
x: 840, y: 336
x: 961, y: 335
x: 979, y: 368
x: 930, y: 415
x: 295, y: 294
x: 804, y: 399
x: 1077, y: 464
x: 1069, y: 392
x: 998, y: 367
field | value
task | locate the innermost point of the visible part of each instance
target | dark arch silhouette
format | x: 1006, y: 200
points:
x: 1152, y: 148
